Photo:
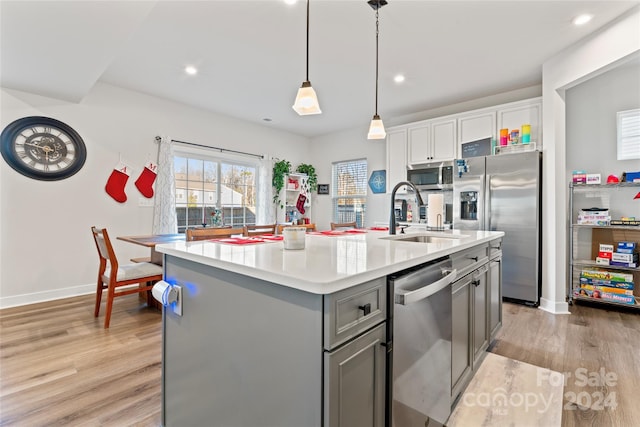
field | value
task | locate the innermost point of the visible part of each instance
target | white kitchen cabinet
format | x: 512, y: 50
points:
x: 396, y: 158
x: 476, y: 125
x: 443, y: 137
x: 431, y: 141
x: 512, y: 116
x: 419, y: 145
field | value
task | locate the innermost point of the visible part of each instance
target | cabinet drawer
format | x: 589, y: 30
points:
x: 469, y: 260
x: 352, y: 311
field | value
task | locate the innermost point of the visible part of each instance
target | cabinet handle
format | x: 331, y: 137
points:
x: 388, y: 346
x: 475, y: 258
x: 366, y: 309
x: 476, y: 283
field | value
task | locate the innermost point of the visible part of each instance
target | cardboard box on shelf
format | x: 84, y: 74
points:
x: 607, y: 283
x: 611, y: 290
x: 614, y: 276
x: 621, y: 257
x: 606, y: 247
x: 593, y: 178
x: 626, y: 247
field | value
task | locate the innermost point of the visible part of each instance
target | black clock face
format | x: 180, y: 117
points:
x: 43, y: 148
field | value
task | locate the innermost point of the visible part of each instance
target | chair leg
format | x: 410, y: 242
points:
x: 98, y: 298
x: 107, y: 316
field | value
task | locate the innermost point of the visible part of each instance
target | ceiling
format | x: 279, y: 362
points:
x: 251, y: 54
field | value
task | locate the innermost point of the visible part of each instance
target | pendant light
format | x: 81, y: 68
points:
x: 306, y: 100
x: 376, y: 129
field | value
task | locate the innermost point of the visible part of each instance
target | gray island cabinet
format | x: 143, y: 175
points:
x: 271, y: 337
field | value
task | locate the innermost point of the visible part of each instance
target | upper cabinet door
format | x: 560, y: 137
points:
x: 443, y: 139
x: 514, y: 115
x: 419, y: 147
x: 478, y: 125
x: 396, y: 158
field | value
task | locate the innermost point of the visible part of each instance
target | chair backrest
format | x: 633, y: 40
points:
x: 339, y: 225
x: 256, y: 230
x: 194, y: 234
x: 105, y: 249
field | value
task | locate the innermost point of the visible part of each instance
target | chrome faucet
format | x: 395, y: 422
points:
x: 392, y: 222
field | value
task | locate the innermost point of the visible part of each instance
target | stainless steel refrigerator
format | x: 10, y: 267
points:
x: 503, y: 193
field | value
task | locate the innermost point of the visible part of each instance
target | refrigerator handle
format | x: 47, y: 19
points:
x: 487, y: 201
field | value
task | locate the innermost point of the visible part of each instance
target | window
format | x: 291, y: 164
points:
x: 628, y: 134
x: 205, y: 183
x: 350, y: 191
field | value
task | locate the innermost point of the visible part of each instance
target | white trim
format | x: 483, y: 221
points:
x: 554, y: 307
x: 25, y: 299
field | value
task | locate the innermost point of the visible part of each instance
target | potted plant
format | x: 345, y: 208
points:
x: 280, y: 169
x: 312, y: 178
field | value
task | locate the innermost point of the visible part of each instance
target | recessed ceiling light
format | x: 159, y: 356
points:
x: 191, y: 70
x: 290, y: 1
x: 399, y: 78
x: 582, y: 19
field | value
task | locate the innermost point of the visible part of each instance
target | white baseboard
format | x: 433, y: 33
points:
x: 555, y: 307
x: 24, y: 299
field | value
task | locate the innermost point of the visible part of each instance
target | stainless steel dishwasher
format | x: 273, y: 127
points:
x: 419, y: 325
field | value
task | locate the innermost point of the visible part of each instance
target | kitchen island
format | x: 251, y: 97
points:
x: 275, y: 337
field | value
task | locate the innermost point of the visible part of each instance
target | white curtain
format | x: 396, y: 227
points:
x: 265, y: 208
x: 164, y: 208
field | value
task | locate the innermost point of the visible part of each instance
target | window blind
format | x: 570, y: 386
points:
x: 628, y: 134
x: 350, y: 191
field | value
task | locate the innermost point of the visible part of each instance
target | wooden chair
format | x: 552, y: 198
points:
x: 194, y: 234
x: 256, y: 230
x: 112, y: 275
x: 341, y: 225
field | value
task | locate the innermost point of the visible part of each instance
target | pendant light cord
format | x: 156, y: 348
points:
x: 307, y: 40
x: 377, y: 32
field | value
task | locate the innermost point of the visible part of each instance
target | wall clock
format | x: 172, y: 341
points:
x: 43, y: 148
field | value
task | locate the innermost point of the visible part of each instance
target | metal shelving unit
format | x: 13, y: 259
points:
x: 580, y: 234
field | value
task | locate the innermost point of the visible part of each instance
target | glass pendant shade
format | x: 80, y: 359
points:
x: 306, y: 100
x: 376, y: 129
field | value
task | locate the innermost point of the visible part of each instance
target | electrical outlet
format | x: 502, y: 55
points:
x: 144, y: 202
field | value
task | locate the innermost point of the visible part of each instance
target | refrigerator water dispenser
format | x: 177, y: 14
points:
x: 469, y: 205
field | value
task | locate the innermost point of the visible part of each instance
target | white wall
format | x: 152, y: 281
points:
x: 591, y: 109
x: 348, y: 145
x: 46, y: 248
x: 598, y: 53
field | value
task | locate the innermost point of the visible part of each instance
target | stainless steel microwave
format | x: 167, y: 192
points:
x: 436, y: 176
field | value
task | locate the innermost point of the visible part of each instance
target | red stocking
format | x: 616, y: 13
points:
x: 117, y: 181
x: 300, y: 203
x: 146, y: 179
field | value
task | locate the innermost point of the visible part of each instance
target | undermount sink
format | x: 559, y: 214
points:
x: 425, y: 238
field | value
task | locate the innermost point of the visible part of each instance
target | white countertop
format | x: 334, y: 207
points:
x: 328, y: 263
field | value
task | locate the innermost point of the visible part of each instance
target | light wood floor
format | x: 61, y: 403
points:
x: 59, y: 367
x: 580, y: 345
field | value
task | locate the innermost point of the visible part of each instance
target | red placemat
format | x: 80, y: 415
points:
x: 239, y: 240
x: 271, y: 237
x: 355, y: 231
x: 379, y: 228
x: 333, y: 232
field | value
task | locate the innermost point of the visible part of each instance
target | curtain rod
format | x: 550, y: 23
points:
x: 158, y: 139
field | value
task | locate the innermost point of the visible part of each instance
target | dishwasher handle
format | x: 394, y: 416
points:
x: 404, y: 297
